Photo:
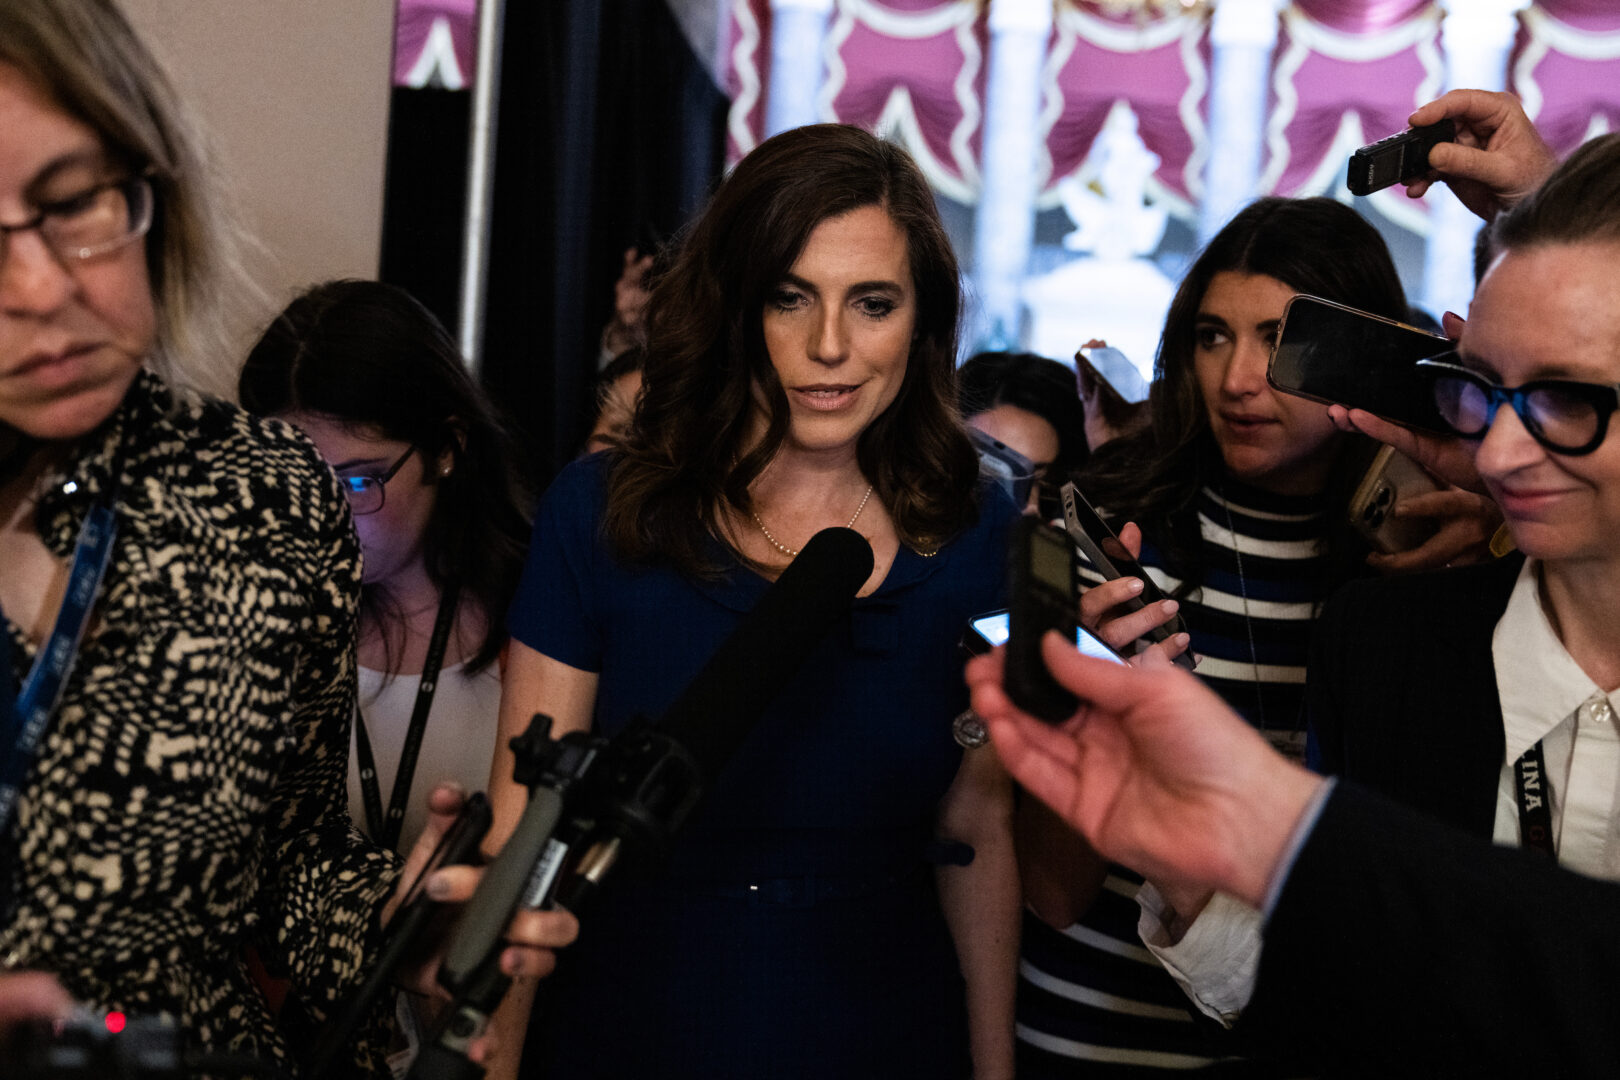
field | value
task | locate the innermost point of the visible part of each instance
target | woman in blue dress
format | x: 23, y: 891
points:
x: 844, y: 903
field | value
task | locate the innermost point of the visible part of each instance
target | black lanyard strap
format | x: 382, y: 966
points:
x: 385, y: 830
x: 1535, y: 811
x: 23, y: 727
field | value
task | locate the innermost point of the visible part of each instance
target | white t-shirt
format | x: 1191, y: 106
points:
x: 458, y: 744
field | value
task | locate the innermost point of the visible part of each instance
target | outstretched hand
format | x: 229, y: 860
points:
x: 1445, y: 456
x: 1498, y: 157
x: 1154, y: 769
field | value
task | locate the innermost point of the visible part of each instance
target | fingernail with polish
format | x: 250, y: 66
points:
x: 437, y: 887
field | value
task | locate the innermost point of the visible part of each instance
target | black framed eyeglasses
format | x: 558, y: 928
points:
x: 1563, y: 415
x: 367, y: 493
x: 93, y: 222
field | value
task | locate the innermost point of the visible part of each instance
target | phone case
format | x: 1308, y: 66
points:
x: 1392, y: 477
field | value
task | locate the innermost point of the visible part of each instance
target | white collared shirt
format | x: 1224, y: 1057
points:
x: 1547, y: 697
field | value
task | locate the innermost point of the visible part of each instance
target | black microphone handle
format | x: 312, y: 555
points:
x: 761, y: 656
x: 484, y: 920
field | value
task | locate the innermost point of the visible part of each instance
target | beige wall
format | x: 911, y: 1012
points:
x: 295, y: 94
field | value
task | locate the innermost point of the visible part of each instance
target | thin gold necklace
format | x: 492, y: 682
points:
x: 791, y: 552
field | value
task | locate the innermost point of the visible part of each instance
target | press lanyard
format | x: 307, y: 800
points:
x: 54, y: 661
x: 1535, y: 813
x: 385, y: 831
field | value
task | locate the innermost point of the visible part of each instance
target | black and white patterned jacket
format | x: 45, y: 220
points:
x: 189, y: 799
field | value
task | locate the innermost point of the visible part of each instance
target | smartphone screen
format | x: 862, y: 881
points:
x: 994, y: 628
x: 1337, y: 355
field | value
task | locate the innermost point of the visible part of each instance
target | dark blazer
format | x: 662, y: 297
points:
x: 1404, y: 943
x: 1402, y: 693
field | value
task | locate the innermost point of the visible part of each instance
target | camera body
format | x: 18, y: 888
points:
x: 90, y: 1047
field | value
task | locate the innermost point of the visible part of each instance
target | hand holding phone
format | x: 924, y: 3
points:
x: 1391, y: 478
x: 1108, y: 554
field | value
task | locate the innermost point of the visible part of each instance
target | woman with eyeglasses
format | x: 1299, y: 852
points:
x: 375, y: 381
x: 179, y: 583
x: 1498, y: 686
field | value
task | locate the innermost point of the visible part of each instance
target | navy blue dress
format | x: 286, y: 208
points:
x: 795, y: 929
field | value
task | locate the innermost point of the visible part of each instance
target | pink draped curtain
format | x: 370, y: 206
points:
x: 414, y: 21
x: 1396, y: 63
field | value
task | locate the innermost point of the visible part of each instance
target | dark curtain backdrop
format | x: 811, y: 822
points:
x: 611, y: 135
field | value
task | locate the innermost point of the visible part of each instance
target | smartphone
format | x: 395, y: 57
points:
x: 1399, y: 159
x: 1109, y: 556
x: 1012, y: 470
x: 1340, y: 356
x: 1044, y: 588
x: 987, y: 631
x: 1392, y: 477
x: 1107, y: 365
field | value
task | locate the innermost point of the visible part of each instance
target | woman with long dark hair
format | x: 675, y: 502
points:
x: 1240, y: 493
x: 374, y: 379
x: 799, y: 374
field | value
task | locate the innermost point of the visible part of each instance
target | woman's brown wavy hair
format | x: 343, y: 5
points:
x: 687, y: 458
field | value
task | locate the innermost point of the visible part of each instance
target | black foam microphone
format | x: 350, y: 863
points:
x: 636, y: 788
x: 723, y: 702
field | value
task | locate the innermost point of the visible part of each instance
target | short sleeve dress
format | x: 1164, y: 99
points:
x: 795, y: 929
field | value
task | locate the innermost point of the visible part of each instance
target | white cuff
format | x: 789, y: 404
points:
x: 1216, y: 960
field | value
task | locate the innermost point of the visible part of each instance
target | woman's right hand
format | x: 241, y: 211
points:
x: 1102, y: 609
x: 532, y: 936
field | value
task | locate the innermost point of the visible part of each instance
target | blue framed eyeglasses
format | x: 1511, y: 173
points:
x: 367, y: 493
x: 1564, y: 415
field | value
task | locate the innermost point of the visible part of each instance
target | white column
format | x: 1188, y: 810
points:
x: 1243, y: 34
x: 1477, y: 36
x: 798, y: 31
x: 1004, y: 225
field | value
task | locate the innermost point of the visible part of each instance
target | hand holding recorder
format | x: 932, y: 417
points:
x: 1154, y: 769
x: 1496, y: 158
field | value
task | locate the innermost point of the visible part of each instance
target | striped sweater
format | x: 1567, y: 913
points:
x: 1092, y: 1001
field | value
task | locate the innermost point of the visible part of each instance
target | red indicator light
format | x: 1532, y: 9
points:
x: 115, y: 1022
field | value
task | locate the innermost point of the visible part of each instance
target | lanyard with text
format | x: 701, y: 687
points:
x: 1535, y: 815
x: 385, y: 831
x: 20, y: 745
